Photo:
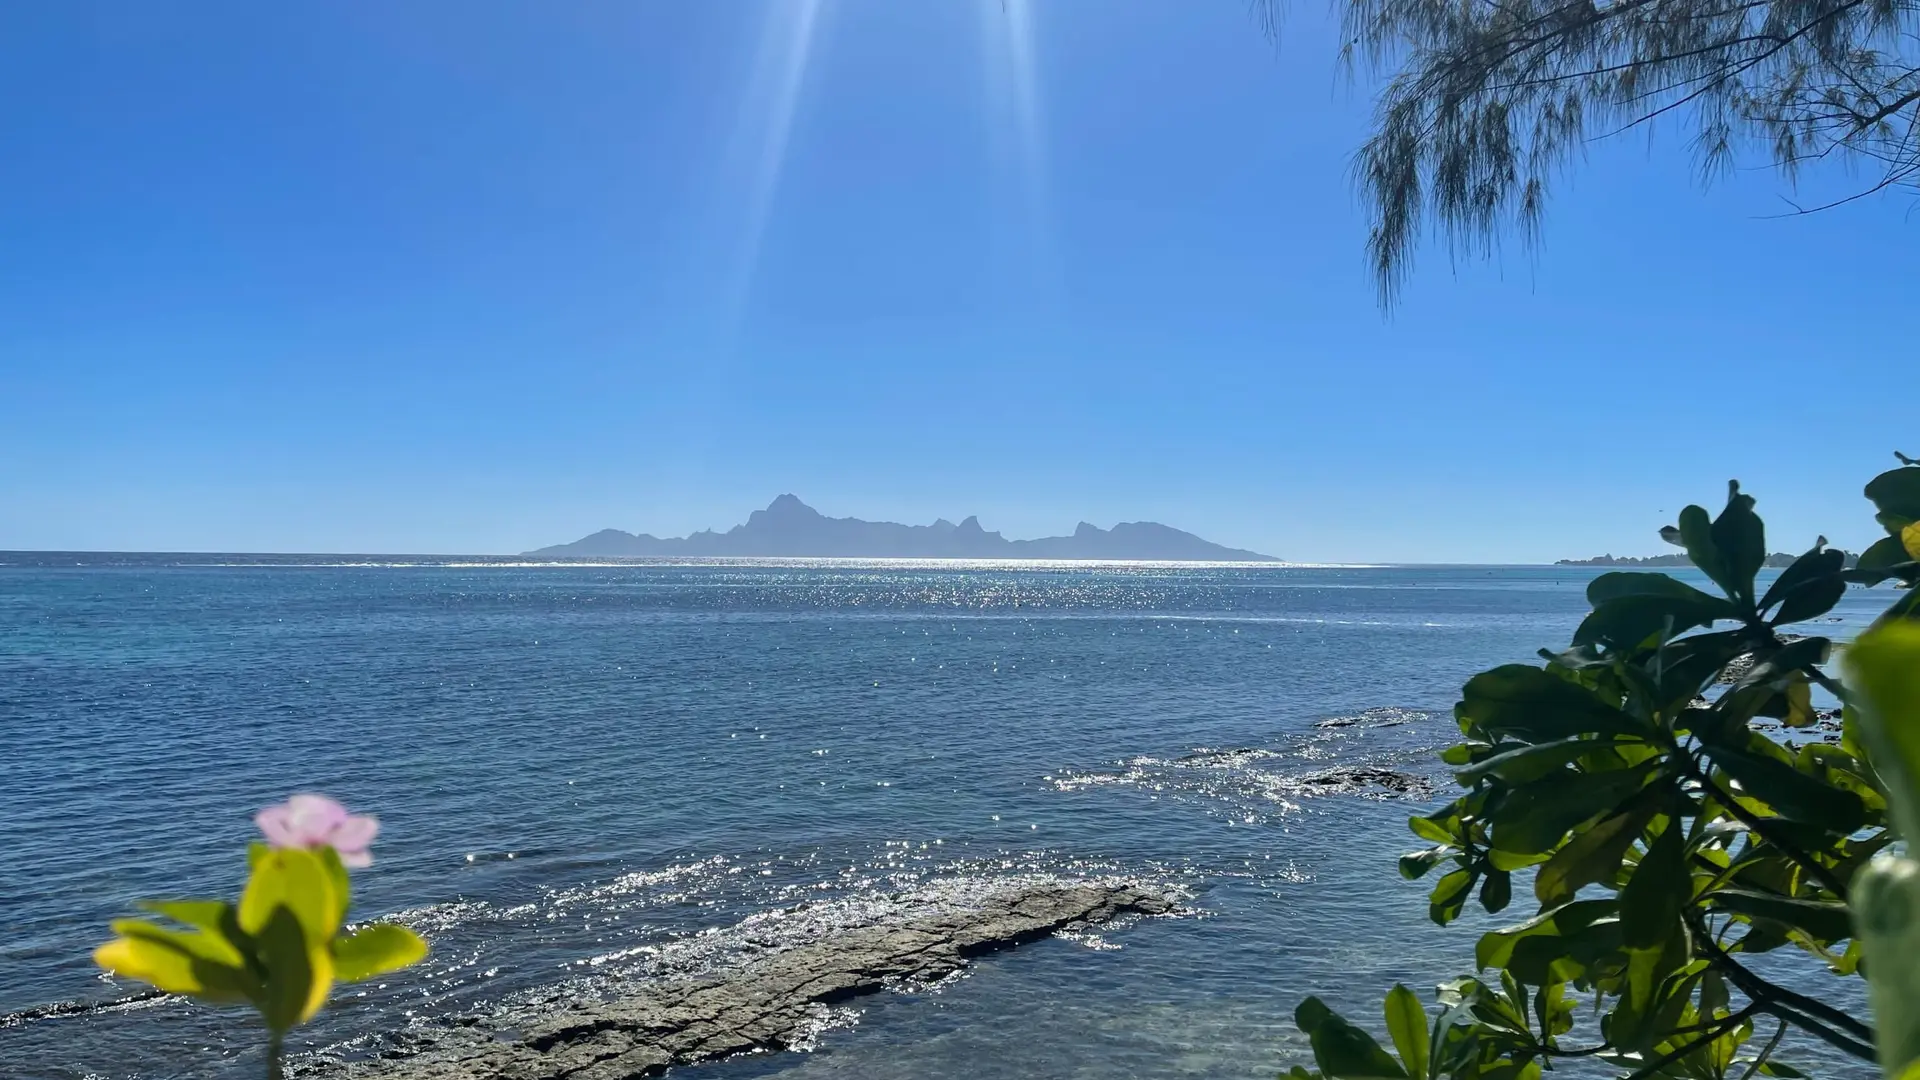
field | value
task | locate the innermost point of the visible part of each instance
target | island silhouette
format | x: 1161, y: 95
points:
x: 789, y: 528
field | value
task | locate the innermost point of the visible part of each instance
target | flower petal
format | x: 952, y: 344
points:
x: 314, y: 817
x: 359, y: 860
x: 276, y: 824
x: 355, y: 833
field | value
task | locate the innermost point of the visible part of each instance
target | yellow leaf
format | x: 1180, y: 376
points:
x: 150, y: 962
x: 175, y: 962
x: 299, y: 881
x: 194, y: 943
x: 1910, y: 539
x: 321, y: 964
x: 1799, y: 695
x: 376, y: 950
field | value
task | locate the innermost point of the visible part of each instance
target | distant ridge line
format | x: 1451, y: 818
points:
x: 1777, y: 559
x: 789, y: 528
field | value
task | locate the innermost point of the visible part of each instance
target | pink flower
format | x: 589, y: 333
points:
x: 311, y: 821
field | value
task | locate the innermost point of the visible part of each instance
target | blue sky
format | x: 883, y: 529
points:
x: 457, y: 277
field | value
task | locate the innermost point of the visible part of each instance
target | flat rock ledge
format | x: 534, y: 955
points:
x: 772, y: 1004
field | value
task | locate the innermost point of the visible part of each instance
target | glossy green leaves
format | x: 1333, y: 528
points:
x: 1630, y: 608
x: 1883, y: 671
x: 1534, y: 818
x: 1407, y: 1026
x: 1536, y: 705
x: 1807, y: 589
x: 1896, y: 494
x: 1660, y: 887
x: 280, y: 948
x: 1672, y: 792
x: 1342, y: 1050
x: 1730, y: 549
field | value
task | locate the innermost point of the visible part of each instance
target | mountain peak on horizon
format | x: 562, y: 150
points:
x: 789, y: 528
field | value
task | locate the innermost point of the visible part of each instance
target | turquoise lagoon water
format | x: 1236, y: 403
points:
x: 590, y: 775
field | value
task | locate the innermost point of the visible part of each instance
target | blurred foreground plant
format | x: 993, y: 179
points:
x: 1668, y: 840
x: 1883, y: 672
x: 284, y: 945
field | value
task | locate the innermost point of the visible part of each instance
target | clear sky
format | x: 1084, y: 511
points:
x: 476, y: 277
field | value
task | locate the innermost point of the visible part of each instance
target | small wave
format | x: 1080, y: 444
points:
x: 1382, y: 716
x: 60, y: 1009
x: 1257, y: 782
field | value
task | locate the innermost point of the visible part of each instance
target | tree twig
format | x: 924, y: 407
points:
x: 1766, y: 832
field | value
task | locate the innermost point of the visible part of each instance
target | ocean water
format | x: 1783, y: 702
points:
x: 594, y: 775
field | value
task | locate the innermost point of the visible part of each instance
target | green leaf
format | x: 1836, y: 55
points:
x: 1618, y: 584
x: 1897, y: 492
x: 1817, y: 563
x: 1497, y: 891
x: 1342, y: 1050
x: 177, y: 962
x: 1577, y: 956
x: 206, y: 914
x: 1696, y: 535
x: 1593, y: 855
x: 1626, y: 1027
x: 1414, y: 865
x: 1885, y: 558
x: 160, y: 959
x: 1512, y: 861
x: 1630, y: 607
x: 1449, y: 896
x: 1661, y: 885
x: 1526, y: 762
x: 211, y: 947
x: 1690, y: 663
x: 299, y: 971
x: 299, y: 881
x: 1630, y: 621
x: 1791, y: 793
x: 1825, y: 921
x: 342, y: 885
x: 1742, y: 543
x: 1533, y: 703
x: 1813, y: 599
x: 1883, y: 669
x: 1799, y: 700
x: 376, y: 950
x: 1535, y: 817
x: 1805, y: 654
x: 1496, y: 949
x: 1407, y: 1025
x: 1426, y: 828
x: 1713, y: 994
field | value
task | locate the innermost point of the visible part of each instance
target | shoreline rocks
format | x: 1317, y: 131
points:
x: 773, y: 1003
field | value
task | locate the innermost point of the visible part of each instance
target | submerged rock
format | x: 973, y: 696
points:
x: 1739, y: 666
x: 773, y: 1003
x: 1362, y: 778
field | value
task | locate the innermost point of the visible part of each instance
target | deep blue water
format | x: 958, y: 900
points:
x: 581, y: 768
